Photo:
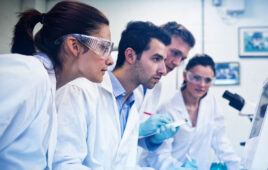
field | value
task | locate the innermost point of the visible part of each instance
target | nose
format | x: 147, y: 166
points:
x: 162, y: 68
x: 202, y: 82
x: 177, y: 61
x: 109, y: 61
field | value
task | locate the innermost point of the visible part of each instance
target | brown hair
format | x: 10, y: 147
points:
x: 64, y: 18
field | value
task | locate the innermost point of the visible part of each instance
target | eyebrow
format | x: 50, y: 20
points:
x: 178, y: 51
x: 158, y: 55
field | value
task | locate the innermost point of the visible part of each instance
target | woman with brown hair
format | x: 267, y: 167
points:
x: 74, y: 41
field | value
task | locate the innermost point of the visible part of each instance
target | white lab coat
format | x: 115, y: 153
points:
x: 26, y: 114
x: 89, y: 135
x: 150, y: 102
x: 195, y: 141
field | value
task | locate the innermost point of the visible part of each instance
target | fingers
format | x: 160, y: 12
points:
x: 163, y: 118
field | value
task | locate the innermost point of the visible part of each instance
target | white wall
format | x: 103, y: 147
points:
x: 8, y: 19
x: 9, y: 10
x: 221, y: 41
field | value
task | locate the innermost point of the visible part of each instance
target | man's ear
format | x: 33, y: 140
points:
x: 73, y: 45
x: 130, y: 55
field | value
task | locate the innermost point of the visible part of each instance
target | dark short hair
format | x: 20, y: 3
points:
x: 175, y: 29
x: 201, y: 59
x: 65, y: 17
x: 137, y: 36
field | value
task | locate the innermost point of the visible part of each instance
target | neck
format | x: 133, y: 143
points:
x: 126, y: 79
x: 189, y: 99
x: 192, y: 105
x: 64, y: 76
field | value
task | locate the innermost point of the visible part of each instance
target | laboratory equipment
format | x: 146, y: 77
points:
x: 245, y: 107
x: 256, y: 149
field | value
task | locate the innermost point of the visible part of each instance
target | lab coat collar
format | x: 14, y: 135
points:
x: 118, y: 89
x: 106, y: 83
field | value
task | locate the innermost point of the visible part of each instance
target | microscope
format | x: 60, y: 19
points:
x: 244, y: 107
x: 238, y: 102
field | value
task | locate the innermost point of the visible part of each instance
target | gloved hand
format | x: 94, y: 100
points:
x: 153, y: 124
x: 165, y: 133
x: 188, y: 165
x: 218, y: 166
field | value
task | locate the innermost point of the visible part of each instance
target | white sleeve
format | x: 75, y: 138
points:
x: 220, y: 142
x: 71, y: 147
x: 25, y: 97
x: 162, y: 158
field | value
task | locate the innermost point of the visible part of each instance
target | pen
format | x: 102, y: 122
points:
x: 150, y: 114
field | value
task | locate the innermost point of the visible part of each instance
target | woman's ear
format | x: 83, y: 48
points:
x: 73, y: 45
x: 130, y: 56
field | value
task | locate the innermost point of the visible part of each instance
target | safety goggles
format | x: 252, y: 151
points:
x: 99, y: 46
x: 197, y: 79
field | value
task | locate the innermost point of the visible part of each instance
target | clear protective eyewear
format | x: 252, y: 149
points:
x: 99, y: 46
x: 197, y: 79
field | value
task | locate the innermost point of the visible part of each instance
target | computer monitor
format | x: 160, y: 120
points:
x: 256, y: 149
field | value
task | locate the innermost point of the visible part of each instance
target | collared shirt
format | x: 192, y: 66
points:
x: 144, y: 90
x: 123, y: 107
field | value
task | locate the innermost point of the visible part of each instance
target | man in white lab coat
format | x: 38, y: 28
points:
x: 148, y: 100
x: 99, y: 123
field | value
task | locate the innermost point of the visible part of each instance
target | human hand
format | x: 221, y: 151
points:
x: 165, y: 133
x: 188, y: 165
x: 153, y: 124
x: 218, y: 166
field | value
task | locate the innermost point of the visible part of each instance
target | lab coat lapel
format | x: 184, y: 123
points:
x: 107, y: 85
x: 132, y: 121
x: 127, y: 150
x: 202, y: 113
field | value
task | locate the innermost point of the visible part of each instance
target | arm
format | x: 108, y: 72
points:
x: 162, y: 158
x: 220, y: 142
x: 25, y: 97
x: 71, y: 149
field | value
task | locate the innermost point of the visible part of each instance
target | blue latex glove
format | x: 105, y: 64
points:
x: 165, y: 133
x: 153, y: 124
x: 188, y: 165
x: 218, y: 166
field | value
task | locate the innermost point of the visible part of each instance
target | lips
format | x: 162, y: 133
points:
x: 105, y: 69
x: 199, y: 90
x: 157, y: 78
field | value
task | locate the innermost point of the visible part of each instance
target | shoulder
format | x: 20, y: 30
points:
x: 174, y: 103
x: 210, y: 98
x: 78, y: 88
x: 21, y: 65
x: 22, y: 71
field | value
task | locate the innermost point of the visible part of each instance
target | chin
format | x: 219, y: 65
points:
x: 97, y: 79
x: 149, y: 86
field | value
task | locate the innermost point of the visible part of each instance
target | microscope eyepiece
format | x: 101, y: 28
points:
x: 235, y: 100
